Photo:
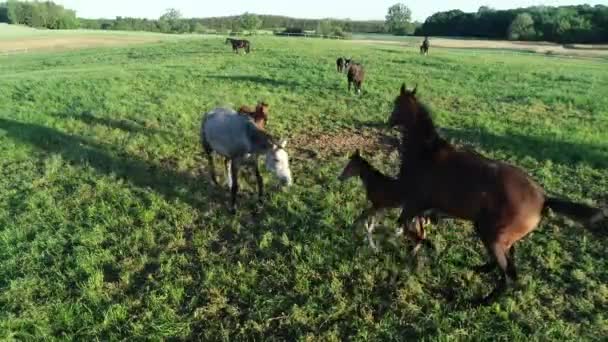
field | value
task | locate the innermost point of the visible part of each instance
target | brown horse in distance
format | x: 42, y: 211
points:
x: 259, y: 114
x: 355, y: 76
x: 502, y: 201
x: 384, y: 193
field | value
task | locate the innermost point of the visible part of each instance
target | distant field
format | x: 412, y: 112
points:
x: 20, y: 38
x: 110, y: 228
x: 580, y: 50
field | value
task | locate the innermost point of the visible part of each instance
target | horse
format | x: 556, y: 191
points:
x: 239, y: 140
x: 504, y: 203
x: 340, y: 64
x: 347, y: 62
x: 424, y: 48
x: 259, y: 114
x: 383, y: 193
x: 239, y: 44
x: 355, y: 75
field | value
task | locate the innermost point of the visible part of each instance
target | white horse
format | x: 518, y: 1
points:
x: 237, y: 138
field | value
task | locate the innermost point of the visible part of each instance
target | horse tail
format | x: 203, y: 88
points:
x: 247, y: 46
x: 577, y: 211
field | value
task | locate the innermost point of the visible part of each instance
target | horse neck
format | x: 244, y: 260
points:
x: 419, y: 141
x: 370, y: 176
x: 261, y: 141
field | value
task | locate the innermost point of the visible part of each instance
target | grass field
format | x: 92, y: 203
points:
x: 110, y: 228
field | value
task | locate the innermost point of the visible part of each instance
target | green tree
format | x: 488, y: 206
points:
x: 522, y: 28
x: 171, y: 14
x: 398, y: 18
x: 250, y: 22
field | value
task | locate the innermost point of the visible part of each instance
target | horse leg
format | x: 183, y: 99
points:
x: 234, y: 172
x: 499, y: 253
x: 260, y: 180
x: 228, y: 166
x: 359, y: 88
x: 208, y: 151
x: 511, y: 271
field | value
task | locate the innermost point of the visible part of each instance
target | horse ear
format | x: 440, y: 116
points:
x: 403, y: 89
x: 283, y: 143
x: 415, y: 89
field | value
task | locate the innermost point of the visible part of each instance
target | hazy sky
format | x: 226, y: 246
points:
x: 353, y: 9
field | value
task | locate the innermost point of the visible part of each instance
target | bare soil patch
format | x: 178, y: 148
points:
x: 70, y: 42
x: 548, y: 48
x: 328, y: 144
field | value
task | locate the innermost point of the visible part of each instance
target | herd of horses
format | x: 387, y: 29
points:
x: 436, y: 179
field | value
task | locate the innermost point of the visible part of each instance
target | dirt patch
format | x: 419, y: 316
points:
x: 72, y: 42
x: 547, y: 48
x: 327, y: 144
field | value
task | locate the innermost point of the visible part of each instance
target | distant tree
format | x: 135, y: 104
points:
x: 324, y: 27
x: 250, y: 22
x: 522, y: 28
x: 398, y: 18
x: 171, y: 14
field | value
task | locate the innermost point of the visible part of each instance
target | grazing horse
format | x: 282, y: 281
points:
x: 259, y: 114
x: 502, y: 201
x: 355, y: 75
x: 239, y: 44
x: 340, y: 64
x: 424, y: 48
x: 384, y: 193
x: 238, y: 139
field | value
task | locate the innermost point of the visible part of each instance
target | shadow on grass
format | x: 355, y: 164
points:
x: 76, y: 150
x: 523, y: 146
x: 130, y: 126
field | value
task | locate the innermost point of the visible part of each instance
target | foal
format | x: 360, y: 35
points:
x: 383, y: 193
x: 355, y: 75
x: 340, y: 64
x: 259, y: 114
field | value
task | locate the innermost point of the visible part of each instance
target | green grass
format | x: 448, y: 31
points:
x: 110, y: 228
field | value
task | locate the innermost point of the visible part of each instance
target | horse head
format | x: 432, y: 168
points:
x: 406, y: 109
x: 277, y: 162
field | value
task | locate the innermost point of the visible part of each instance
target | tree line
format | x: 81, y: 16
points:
x: 564, y: 24
x: 230, y: 24
x: 38, y: 14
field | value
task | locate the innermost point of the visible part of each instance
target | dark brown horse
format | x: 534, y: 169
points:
x: 259, y: 114
x: 355, y: 75
x: 502, y: 201
x: 424, y: 48
x: 340, y: 62
x: 239, y: 44
x: 384, y: 193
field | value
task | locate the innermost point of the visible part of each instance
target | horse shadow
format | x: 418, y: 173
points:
x: 170, y: 183
x: 522, y: 146
x: 130, y: 126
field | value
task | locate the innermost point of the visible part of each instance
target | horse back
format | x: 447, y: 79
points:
x: 467, y: 185
x: 228, y: 133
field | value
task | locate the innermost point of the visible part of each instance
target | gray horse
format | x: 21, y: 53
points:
x: 237, y: 138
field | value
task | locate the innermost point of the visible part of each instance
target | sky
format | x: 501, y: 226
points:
x: 352, y: 9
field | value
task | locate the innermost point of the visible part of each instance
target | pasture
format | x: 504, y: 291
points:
x: 110, y: 227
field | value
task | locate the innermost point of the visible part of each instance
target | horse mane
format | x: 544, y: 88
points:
x: 374, y: 171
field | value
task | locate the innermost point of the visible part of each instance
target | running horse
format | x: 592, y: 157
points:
x: 239, y: 44
x: 504, y: 203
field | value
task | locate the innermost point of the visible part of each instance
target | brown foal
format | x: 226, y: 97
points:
x: 384, y: 193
